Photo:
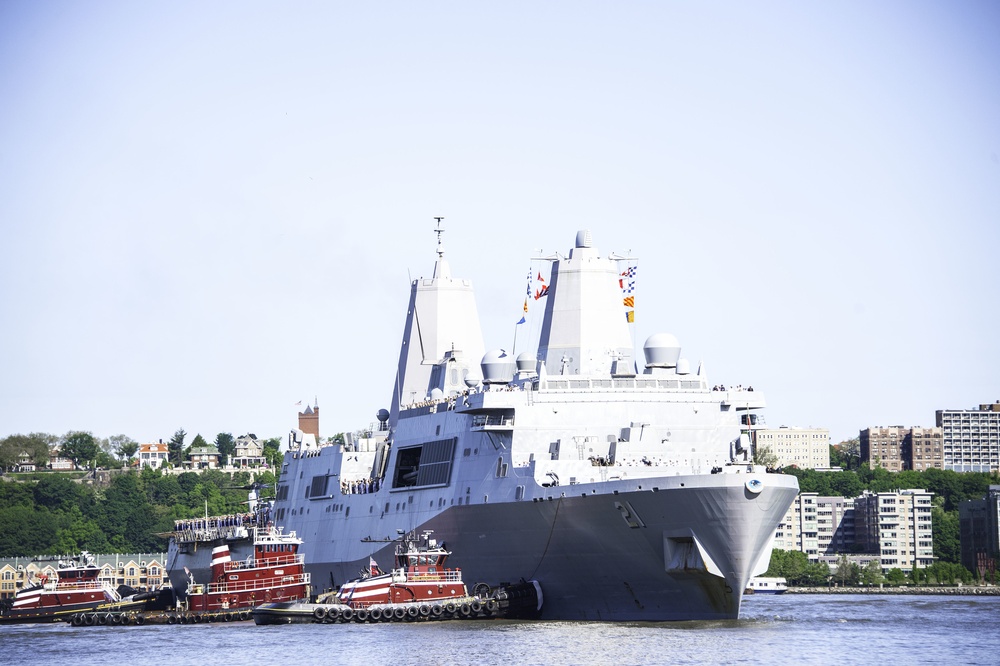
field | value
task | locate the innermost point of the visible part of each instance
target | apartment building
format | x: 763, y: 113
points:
x: 805, y: 448
x: 979, y: 530
x: 894, y: 528
x: 897, y: 526
x: 896, y: 448
x: 139, y: 571
x: 971, y: 438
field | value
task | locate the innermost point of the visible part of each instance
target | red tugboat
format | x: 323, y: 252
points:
x: 420, y: 587
x: 420, y: 575
x: 275, y: 571
x: 76, y: 586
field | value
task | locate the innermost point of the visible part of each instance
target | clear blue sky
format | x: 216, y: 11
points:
x: 211, y: 211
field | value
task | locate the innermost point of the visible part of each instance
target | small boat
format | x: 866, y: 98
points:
x: 275, y: 571
x: 766, y: 585
x: 419, y: 587
x: 75, y: 586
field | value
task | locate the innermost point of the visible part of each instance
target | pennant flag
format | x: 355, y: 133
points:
x: 544, y: 291
x: 520, y: 322
x: 625, y: 274
x: 629, y: 301
x: 529, y: 282
x: 526, y: 306
x: 630, y: 316
x: 540, y: 278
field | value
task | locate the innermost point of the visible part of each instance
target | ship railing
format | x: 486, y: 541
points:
x: 230, y: 532
x: 448, y: 576
x: 259, y: 585
x: 75, y: 586
x: 266, y: 561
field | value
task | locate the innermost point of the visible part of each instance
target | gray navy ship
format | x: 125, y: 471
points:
x: 627, y: 490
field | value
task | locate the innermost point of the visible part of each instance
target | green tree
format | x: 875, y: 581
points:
x: 55, y: 491
x: 271, y: 452
x: 26, y: 530
x: 15, y: 494
x: 895, y: 576
x: 846, y: 454
x: 226, y: 444
x: 847, y: 573
x: 763, y: 455
x: 175, y: 447
x: 77, y: 532
x: 945, y: 535
x: 80, y: 447
x: 871, y: 573
x: 128, y: 518
x: 36, y: 445
x: 846, y: 484
x: 123, y: 446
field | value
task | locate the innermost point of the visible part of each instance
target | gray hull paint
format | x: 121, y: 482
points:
x: 591, y: 563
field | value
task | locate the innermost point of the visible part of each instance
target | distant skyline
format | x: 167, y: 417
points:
x: 211, y: 212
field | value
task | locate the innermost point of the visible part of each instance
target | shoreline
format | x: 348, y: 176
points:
x: 970, y: 590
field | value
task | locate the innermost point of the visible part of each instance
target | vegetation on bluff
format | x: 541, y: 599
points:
x: 51, y: 513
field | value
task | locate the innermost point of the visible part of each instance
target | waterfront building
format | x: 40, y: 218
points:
x: 58, y: 463
x: 153, y: 455
x: 979, y: 530
x: 834, y: 525
x: 137, y: 571
x: 971, y: 438
x: 248, y: 452
x: 203, y: 457
x: 799, y: 529
x: 805, y: 448
x: 893, y: 527
x: 897, y: 526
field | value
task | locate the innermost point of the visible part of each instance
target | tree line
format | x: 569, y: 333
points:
x: 53, y: 514
x: 115, y: 452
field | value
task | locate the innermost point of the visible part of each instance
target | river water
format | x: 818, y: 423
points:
x: 783, y: 629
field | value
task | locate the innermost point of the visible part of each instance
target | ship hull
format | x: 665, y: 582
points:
x: 681, y: 553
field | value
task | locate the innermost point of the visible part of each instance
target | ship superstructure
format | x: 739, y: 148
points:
x: 627, y: 491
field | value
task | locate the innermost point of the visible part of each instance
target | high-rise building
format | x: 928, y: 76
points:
x: 835, y: 524
x: 926, y: 449
x: 798, y: 530
x: 897, y: 525
x: 979, y: 529
x: 971, y: 438
x: 897, y: 448
x: 894, y: 526
x: 884, y: 447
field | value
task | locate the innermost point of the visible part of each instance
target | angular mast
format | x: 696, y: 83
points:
x: 441, y: 318
x: 584, y: 330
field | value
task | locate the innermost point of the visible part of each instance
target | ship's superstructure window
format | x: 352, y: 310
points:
x: 318, y: 487
x: 427, y: 464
